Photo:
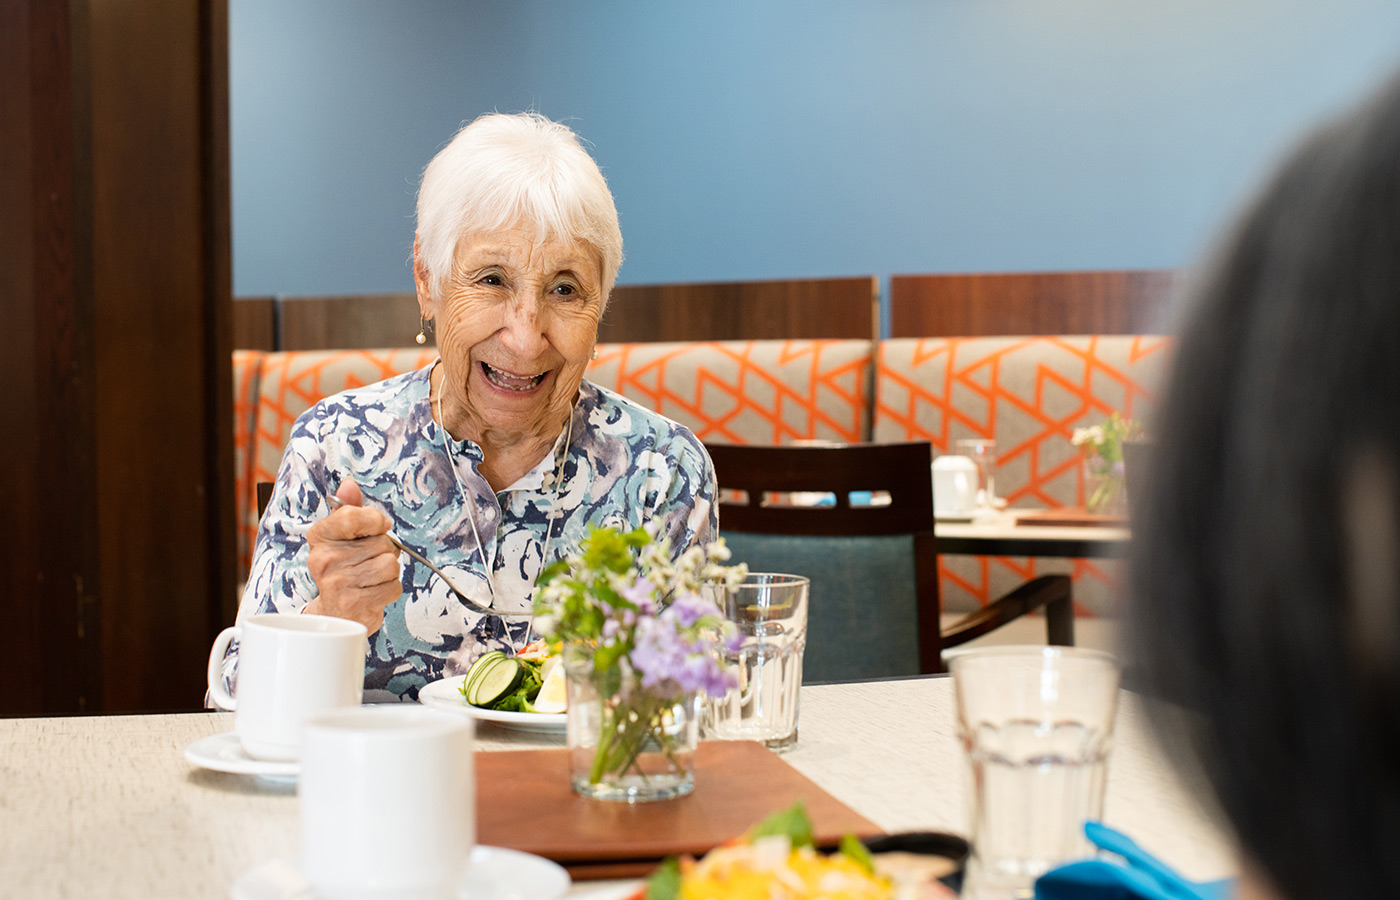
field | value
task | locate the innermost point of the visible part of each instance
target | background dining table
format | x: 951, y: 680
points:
x: 1001, y: 534
x: 107, y: 806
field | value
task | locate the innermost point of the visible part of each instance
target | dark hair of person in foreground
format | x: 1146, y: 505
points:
x: 1266, y: 569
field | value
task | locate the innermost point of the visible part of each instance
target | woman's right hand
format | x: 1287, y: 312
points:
x: 355, y: 567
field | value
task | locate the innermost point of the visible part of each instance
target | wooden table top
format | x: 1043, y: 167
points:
x: 999, y: 535
x: 107, y: 806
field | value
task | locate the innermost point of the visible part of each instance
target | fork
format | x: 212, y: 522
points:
x: 336, y: 503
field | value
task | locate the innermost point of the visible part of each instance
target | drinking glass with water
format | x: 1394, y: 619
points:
x: 1036, y: 725
x: 770, y: 612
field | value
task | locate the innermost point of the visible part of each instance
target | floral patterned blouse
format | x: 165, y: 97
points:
x: 622, y: 466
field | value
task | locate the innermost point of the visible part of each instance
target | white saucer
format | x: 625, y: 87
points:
x: 447, y: 695
x: 224, y: 753
x: 496, y: 874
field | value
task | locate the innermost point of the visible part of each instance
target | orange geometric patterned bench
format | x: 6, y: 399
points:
x: 290, y: 384
x: 748, y: 392
x: 247, y: 372
x: 1029, y: 394
x: 726, y: 392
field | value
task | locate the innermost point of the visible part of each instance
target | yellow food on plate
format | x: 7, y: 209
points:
x: 769, y: 869
x: 776, y: 860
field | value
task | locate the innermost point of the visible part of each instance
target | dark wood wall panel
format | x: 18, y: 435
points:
x: 121, y: 344
x: 749, y: 310
x: 255, y: 323
x: 1124, y: 302
x: 46, y: 586
x: 363, y: 320
x: 161, y: 403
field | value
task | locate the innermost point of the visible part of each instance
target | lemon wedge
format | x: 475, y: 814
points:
x: 551, y: 698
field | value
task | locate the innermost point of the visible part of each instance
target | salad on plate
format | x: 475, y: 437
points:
x: 531, y: 681
x: 777, y: 860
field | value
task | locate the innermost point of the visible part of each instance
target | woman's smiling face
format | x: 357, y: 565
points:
x: 516, y: 322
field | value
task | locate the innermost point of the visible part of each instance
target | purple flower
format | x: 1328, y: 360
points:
x: 690, y: 608
x: 673, y: 663
x: 638, y: 593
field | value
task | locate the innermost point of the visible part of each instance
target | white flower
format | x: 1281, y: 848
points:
x: 1094, y: 434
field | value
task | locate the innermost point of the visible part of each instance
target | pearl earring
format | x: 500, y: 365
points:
x: 421, y: 337
x: 595, y: 352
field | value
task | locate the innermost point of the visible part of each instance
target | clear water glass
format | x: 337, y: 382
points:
x: 770, y: 612
x: 1036, y: 725
x: 982, y: 451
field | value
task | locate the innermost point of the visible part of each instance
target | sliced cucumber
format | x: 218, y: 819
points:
x: 499, y: 678
x: 483, y: 662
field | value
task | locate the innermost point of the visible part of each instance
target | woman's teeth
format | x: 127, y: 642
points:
x: 512, y: 382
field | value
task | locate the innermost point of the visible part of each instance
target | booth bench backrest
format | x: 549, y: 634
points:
x: 737, y: 392
x: 1027, y: 393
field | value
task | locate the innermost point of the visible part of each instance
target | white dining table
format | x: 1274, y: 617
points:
x: 108, y: 807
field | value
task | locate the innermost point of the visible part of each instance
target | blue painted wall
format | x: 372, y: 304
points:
x: 786, y: 138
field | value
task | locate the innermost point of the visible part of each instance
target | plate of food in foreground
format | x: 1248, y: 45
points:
x: 777, y: 858
x: 522, y: 691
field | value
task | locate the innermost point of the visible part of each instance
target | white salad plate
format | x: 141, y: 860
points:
x: 447, y: 694
x: 224, y: 753
x: 495, y: 874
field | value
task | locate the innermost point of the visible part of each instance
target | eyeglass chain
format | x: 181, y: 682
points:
x: 558, y: 482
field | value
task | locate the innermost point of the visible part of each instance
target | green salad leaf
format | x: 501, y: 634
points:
x: 792, y: 822
x: 665, y: 883
x: 854, y: 850
x: 520, y: 699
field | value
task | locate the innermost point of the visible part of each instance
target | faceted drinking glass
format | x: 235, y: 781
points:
x: 1036, y: 725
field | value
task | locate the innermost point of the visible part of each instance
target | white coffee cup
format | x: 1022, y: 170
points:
x: 388, y: 803
x: 954, y: 485
x: 290, y: 667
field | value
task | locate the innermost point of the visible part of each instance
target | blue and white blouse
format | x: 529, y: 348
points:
x: 623, y: 466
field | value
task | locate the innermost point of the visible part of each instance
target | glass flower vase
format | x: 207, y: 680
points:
x: 625, y: 743
x: 1104, y: 491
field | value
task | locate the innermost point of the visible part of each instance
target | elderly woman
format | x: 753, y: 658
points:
x: 1267, y: 571
x: 496, y: 458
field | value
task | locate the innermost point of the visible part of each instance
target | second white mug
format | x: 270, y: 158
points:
x: 954, y: 485
x: 290, y: 667
x: 388, y: 807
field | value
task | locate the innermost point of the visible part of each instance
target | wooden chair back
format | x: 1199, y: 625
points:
x: 757, y: 484
x: 862, y: 600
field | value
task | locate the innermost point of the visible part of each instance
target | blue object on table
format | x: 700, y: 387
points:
x: 1134, y: 875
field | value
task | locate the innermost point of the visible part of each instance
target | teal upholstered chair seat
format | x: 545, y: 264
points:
x: 863, y: 620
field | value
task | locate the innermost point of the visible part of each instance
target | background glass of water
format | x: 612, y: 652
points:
x: 982, y: 451
x: 770, y: 612
x: 1036, y: 725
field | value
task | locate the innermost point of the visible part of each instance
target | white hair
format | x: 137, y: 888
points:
x: 504, y: 169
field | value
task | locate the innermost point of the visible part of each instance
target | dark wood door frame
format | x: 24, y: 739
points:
x: 115, y: 280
